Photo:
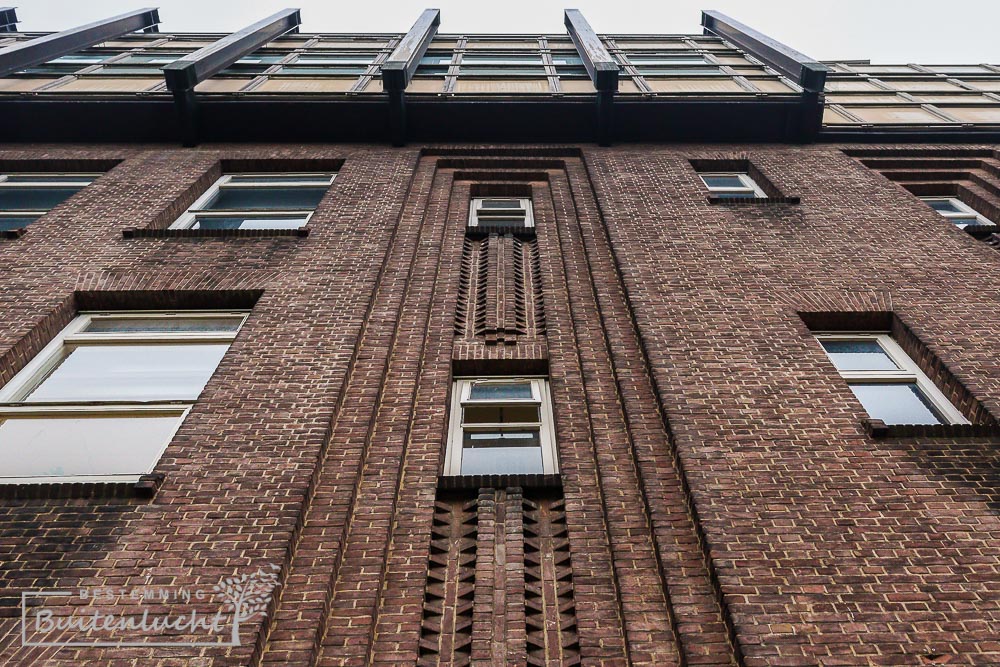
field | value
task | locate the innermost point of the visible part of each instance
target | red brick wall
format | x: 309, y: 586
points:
x: 695, y: 415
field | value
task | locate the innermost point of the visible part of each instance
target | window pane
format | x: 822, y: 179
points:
x: 501, y: 453
x: 131, y: 373
x: 246, y: 222
x: 82, y: 446
x: 483, y: 414
x: 163, y: 325
x: 858, y: 355
x: 34, y: 199
x: 7, y: 224
x: 499, y: 391
x: 944, y: 206
x: 723, y: 181
x: 896, y: 403
x: 501, y: 203
x: 281, y: 178
x: 46, y: 178
x: 265, y: 198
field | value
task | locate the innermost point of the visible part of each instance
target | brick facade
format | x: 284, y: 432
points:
x: 719, y: 502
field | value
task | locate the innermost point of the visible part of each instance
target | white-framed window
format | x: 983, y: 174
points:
x: 500, y: 211
x: 732, y: 185
x: 956, y: 211
x: 257, y: 201
x: 501, y: 426
x: 103, y: 399
x: 886, y: 381
x: 25, y: 197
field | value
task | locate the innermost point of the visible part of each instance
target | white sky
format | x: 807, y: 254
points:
x: 885, y: 31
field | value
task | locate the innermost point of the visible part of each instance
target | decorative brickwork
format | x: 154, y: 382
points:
x: 721, y: 501
x: 446, y: 629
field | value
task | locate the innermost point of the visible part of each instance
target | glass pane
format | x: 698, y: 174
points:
x: 723, y: 181
x: 282, y: 178
x: 507, y: 414
x: 667, y: 60
x: 46, y: 178
x: 499, y: 391
x: 163, y: 325
x: 501, y: 71
x: 436, y: 59
x: 265, y: 198
x: 245, y: 222
x: 469, y: 59
x: 131, y: 373
x: 34, y: 199
x: 858, y: 355
x: 328, y: 70
x: 896, y: 403
x: 500, y: 203
x: 352, y: 59
x: 944, y: 206
x: 7, y: 224
x: 501, y: 453
x: 566, y: 60
x: 72, y: 446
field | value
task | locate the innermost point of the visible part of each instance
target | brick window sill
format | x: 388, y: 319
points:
x: 750, y: 201
x: 500, y: 481
x: 879, y: 429
x: 145, y: 488
x: 142, y: 233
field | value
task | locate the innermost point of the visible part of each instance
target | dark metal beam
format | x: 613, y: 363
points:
x: 399, y: 68
x: 8, y: 19
x: 43, y: 49
x: 601, y: 66
x: 183, y: 74
x: 188, y: 71
x: 802, y: 69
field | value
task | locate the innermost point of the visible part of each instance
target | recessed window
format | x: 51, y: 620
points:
x: 732, y: 185
x: 500, y: 211
x: 501, y: 426
x: 102, y: 400
x: 26, y: 197
x: 957, y: 212
x: 257, y: 201
x: 886, y: 381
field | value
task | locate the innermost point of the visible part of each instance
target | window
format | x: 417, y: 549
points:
x: 488, y: 211
x: 732, y: 185
x: 959, y: 213
x: 69, y: 64
x: 501, y: 426
x: 103, y: 399
x: 26, y: 197
x: 257, y: 201
x: 888, y: 383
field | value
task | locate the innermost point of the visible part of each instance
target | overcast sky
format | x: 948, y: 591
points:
x: 885, y: 31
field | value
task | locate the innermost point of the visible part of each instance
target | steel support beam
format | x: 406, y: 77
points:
x: 8, y: 19
x: 400, y: 66
x: 43, y: 49
x: 600, y: 65
x: 800, y: 68
x: 183, y: 74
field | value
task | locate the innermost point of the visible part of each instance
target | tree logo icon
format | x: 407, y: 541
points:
x: 247, y: 596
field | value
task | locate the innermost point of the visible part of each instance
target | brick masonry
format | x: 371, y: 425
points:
x: 722, y: 501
